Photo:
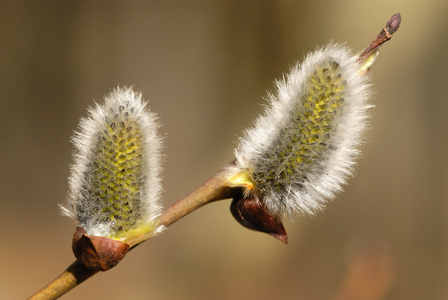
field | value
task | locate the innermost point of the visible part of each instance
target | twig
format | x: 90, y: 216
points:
x: 70, y: 278
x: 216, y: 188
x: 386, y: 34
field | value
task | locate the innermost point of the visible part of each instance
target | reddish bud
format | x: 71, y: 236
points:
x: 97, y: 252
x: 253, y: 214
x: 393, y: 23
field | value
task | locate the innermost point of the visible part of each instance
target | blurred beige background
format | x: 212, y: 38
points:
x: 204, y: 66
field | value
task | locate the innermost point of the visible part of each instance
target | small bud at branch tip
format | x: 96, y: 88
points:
x: 386, y: 34
x: 394, y: 23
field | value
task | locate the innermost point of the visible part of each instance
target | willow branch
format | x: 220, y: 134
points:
x: 70, y: 278
x: 216, y: 188
x: 367, y: 57
x: 386, y: 34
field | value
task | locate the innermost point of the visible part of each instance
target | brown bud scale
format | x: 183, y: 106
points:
x: 97, y: 252
x: 253, y: 214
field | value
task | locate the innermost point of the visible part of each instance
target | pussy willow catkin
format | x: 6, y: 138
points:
x: 115, y: 178
x: 303, y: 149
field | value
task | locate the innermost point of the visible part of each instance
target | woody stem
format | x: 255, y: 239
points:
x: 214, y: 189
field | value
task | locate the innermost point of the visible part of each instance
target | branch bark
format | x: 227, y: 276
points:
x: 216, y: 188
x: 213, y: 189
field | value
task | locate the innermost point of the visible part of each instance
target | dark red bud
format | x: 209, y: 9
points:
x: 253, y: 214
x: 393, y: 23
x: 97, y: 252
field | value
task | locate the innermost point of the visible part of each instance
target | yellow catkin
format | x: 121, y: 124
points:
x: 310, y: 128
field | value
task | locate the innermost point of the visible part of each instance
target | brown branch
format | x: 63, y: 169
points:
x: 385, y: 35
x: 70, y: 278
x: 216, y: 188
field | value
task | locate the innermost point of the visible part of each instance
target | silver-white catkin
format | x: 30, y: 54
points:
x: 115, y: 181
x: 303, y: 149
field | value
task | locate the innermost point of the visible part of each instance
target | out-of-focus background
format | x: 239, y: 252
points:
x: 204, y: 67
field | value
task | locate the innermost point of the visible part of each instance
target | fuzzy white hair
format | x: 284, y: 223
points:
x: 115, y: 182
x: 303, y: 149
